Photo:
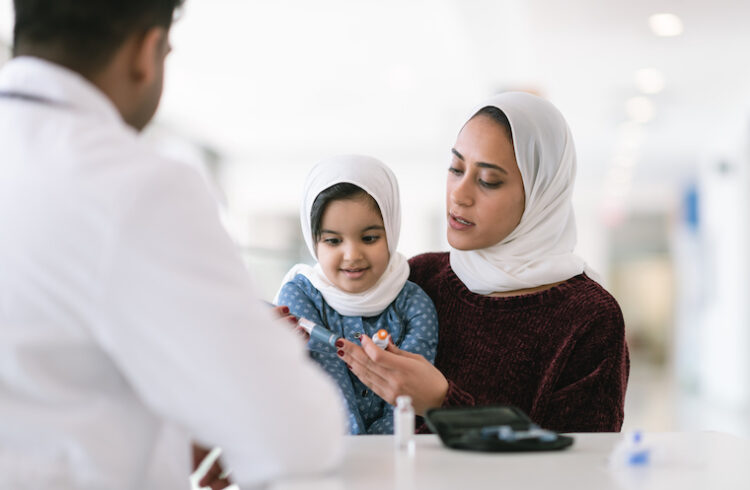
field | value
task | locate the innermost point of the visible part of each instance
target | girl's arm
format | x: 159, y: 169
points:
x: 298, y: 304
x: 421, y: 326
x: 301, y: 304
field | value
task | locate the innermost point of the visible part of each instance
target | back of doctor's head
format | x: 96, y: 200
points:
x: 83, y: 35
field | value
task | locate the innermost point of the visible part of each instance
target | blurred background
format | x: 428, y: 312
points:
x: 657, y: 94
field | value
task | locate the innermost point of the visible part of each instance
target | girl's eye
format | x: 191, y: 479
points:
x: 332, y: 241
x: 455, y: 171
x: 370, y: 238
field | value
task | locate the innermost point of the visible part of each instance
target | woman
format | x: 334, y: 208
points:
x: 521, y: 320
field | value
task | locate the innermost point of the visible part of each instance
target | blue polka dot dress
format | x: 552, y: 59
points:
x: 410, y: 319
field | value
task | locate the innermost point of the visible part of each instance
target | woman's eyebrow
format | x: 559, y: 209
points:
x: 332, y: 232
x: 480, y: 164
x: 492, y: 166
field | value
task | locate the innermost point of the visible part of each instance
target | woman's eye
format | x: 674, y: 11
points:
x: 455, y: 171
x: 489, y: 185
x: 331, y: 241
x: 370, y: 238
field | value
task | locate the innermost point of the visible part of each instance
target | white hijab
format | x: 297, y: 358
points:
x: 379, y: 182
x: 540, y: 249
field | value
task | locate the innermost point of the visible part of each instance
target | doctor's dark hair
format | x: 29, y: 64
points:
x: 337, y: 192
x: 498, y: 116
x: 83, y: 35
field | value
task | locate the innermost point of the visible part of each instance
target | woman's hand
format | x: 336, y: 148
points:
x: 283, y: 313
x: 393, y: 372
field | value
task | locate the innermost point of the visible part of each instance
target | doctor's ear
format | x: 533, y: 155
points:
x: 148, y: 54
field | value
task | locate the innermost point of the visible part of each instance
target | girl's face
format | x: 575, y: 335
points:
x: 484, y: 196
x: 352, y: 249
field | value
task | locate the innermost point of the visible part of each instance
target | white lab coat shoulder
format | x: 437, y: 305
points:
x: 109, y: 245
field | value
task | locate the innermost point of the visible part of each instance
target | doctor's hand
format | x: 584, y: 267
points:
x: 214, y: 477
x: 282, y: 312
x: 393, y: 372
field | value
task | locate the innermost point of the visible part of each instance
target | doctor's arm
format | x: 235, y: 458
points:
x: 188, y: 331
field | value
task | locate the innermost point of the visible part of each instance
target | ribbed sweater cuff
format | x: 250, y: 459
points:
x: 454, y: 397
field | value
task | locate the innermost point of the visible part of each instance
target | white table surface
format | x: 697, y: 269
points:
x: 682, y: 461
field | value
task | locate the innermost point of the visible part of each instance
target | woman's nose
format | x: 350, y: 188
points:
x: 460, y: 192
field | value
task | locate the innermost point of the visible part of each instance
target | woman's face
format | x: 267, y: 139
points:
x: 484, y: 195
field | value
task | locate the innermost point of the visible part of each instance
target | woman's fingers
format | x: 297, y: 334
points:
x: 283, y: 314
x: 371, y: 374
x: 385, y: 373
x: 393, y: 372
x: 372, y: 350
x: 404, y: 353
x: 281, y: 311
x: 392, y: 357
x: 353, y: 354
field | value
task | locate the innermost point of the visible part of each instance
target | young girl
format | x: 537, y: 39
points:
x: 351, y: 219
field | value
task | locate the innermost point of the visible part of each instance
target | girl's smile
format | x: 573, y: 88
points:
x: 352, y: 249
x: 354, y: 273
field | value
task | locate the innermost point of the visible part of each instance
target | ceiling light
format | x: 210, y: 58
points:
x: 665, y: 25
x: 649, y: 80
x: 640, y: 109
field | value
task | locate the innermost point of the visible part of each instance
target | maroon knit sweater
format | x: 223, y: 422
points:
x: 559, y: 355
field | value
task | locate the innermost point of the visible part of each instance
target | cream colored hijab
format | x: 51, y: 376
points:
x: 540, y: 250
x: 375, y: 178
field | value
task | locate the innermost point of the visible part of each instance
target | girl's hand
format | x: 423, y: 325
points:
x: 283, y: 313
x: 393, y: 372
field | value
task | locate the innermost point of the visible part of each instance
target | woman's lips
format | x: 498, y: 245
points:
x: 459, y: 223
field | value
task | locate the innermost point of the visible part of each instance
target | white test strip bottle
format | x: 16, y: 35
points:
x: 403, y: 423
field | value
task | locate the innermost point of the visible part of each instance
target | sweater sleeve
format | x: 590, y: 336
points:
x: 454, y: 397
x: 589, y: 395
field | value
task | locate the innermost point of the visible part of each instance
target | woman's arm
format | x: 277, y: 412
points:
x: 589, y: 391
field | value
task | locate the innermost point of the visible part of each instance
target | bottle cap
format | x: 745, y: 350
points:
x: 403, y: 401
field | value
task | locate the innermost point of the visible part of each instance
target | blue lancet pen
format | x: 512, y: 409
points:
x: 315, y: 331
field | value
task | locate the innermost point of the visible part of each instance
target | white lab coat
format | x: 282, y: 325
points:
x: 125, y: 310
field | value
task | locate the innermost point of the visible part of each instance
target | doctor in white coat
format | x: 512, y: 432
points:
x: 125, y: 309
